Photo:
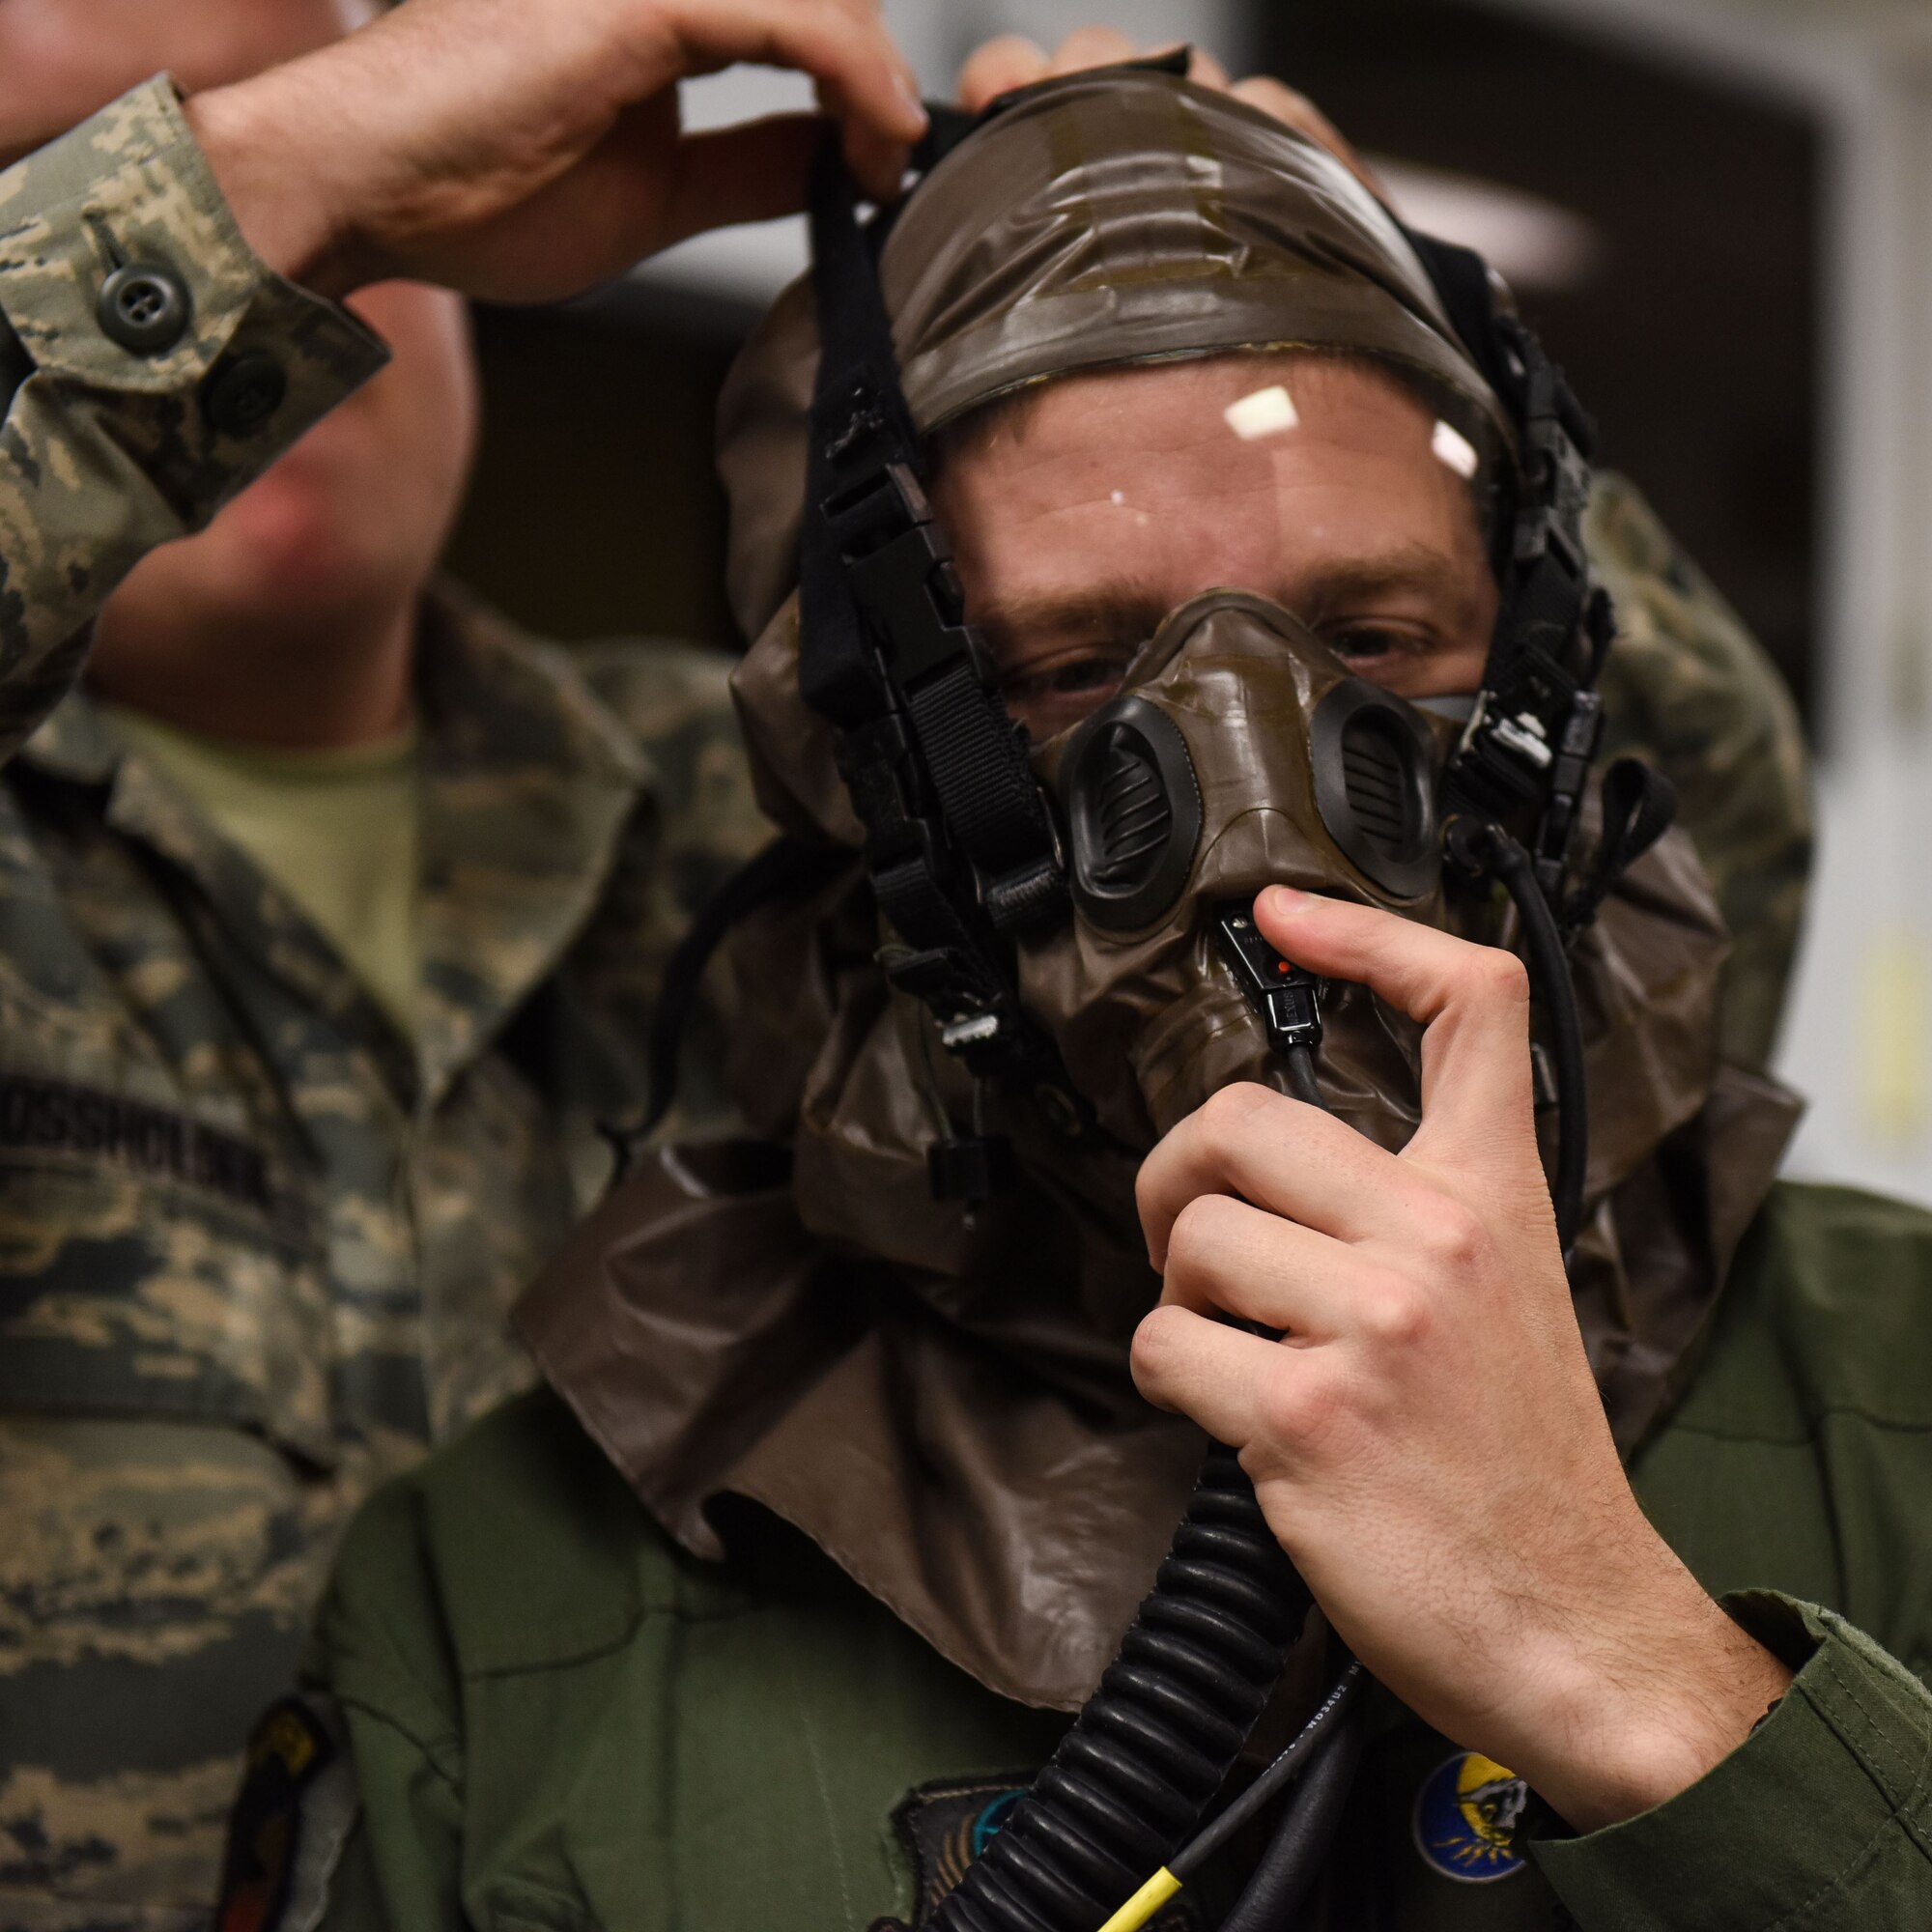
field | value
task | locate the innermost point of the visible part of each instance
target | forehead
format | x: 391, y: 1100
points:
x: 1289, y: 473
x: 1214, y: 404
x: 1189, y: 443
x: 60, y: 60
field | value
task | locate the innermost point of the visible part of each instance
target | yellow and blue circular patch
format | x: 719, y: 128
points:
x: 1466, y: 1815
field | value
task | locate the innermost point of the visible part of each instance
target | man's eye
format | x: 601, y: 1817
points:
x: 1364, y: 643
x: 1086, y: 674
x: 1069, y: 676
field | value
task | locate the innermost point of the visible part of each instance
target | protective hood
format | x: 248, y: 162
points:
x: 1111, y: 217
x: 939, y: 1396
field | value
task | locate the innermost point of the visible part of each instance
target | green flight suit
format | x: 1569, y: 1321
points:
x: 256, y: 1244
x: 558, y: 1720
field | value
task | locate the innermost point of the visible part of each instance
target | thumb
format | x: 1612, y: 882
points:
x: 755, y: 171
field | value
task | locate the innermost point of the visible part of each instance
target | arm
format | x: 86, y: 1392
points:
x: 108, y: 449
x: 505, y: 150
x: 1821, y: 1821
x: 1427, y: 1441
x: 1540, y: 1619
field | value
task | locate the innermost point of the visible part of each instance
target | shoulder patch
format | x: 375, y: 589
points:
x: 1467, y: 1818
x: 290, y: 1823
x: 945, y: 1825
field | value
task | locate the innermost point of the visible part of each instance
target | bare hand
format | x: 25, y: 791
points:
x: 999, y: 66
x: 1426, y: 1440
x: 524, y: 150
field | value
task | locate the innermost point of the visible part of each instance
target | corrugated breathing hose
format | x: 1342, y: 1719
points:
x: 1154, y: 1742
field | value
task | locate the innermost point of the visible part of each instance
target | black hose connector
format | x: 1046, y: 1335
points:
x: 1154, y: 1742
x: 1481, y: 849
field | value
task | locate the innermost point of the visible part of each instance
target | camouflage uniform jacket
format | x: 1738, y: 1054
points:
x: 255, y: 1248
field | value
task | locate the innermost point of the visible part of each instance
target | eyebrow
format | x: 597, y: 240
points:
x: 1119, y: 611
x: 1417, y: 567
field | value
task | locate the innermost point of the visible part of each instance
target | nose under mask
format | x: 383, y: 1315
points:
x: 1241, y: 752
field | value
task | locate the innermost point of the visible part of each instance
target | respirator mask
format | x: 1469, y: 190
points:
x: 1238, y: 752
x: 1073, y: 921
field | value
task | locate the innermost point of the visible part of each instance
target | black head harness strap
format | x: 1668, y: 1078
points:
x: 1534, y: 734
x: 962, y: 854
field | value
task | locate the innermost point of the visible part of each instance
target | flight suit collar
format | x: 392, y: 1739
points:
x: 528, y: 786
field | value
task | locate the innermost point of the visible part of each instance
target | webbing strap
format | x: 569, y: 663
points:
x: 960, y: 849
x: 1536, y: 724
x: 991, y: 799
x: 900, y: 615
x: 854, y: 418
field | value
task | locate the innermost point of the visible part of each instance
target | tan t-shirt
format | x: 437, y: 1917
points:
x: 338, y: 832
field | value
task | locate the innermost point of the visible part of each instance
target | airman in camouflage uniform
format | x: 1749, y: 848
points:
x: 255, y: 1246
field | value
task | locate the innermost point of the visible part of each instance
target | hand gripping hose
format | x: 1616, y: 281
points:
x: 1154, y: 1743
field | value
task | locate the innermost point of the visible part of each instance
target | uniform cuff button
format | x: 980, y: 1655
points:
x: 243, y: 393
x: 145, y: 307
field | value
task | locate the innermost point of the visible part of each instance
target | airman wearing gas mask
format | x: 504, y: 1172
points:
x: 1170, y: 1076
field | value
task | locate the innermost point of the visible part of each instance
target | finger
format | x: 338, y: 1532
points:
x: 1281, y: 1157
x: 878, y: 163
x: 997, y: 68
x: 844, y: 49
x: 1205, y: 69
x: 754, y: 172
x: 1092, y: 46
x: 1472, y: 1001
x: 1227, y: 1257
x: 1276, y: 97
x: 1238, y: 1387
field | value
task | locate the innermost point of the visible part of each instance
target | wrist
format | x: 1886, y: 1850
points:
x: 1653, y: 1709
x: 270, y: 159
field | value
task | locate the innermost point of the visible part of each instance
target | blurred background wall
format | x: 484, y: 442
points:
x: 1718, y: 213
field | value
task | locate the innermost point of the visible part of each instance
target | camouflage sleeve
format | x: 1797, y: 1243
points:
x: 108, y: 449
x: 1692, y: 691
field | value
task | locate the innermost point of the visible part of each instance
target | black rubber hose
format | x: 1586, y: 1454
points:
x: 787, y: 865
x: 1307, y: 1829
x: 1478, y: 848
x: 1288, y: 1766
x: 1301, y: 1081
x: 1154, y: 1742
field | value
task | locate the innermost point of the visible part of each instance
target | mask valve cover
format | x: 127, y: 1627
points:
x: 1375, y: 786
x: 1134, y: 808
